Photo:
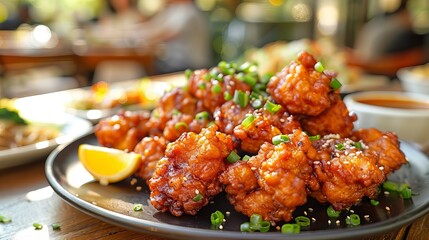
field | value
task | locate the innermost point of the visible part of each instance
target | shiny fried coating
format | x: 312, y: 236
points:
x: 230, y: 115
x: 122, y: 131
x: 181, y: 123
x: 152, y: 150
x: 273, y: 182
x: 300, y: 88
x: 201, y: 86
x: 190, y: 169
x: 172, y: 102
x: 334, y: 120
x: 344, y: 172
x: 383, y: 146
x: 285, y: 122
x: 253, y: 136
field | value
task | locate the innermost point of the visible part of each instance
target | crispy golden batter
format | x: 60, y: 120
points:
x: 230, y: 115
x: 336, y: 119
x: 152, y: 150
x: 383, y: 146
x: 122, y: 131
x: 345, y: 173
x: 190, y: 170
x: 274, y: 182
x: 301, y: 89
x: 202, y: 86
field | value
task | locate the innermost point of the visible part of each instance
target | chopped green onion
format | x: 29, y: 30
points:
x: 332, y: 212
x: 314, y: 138
x: 406, y: 193
x: 188, y: 73
x: 249, y: 80
x: 335, y: 84
x: 202, y: 86
x: 319, y: 67
x: 390, y: 186
x: 255, y: 221
x: 241, y: 98
x: 179, y: 125
x: 280, y: 139
x: 291, y: 228
x: 175, y: 112
x: 210, y: 123
x: 302, y: 221
x: 339, y: 146
x: 248, y: 120
x: 216, y: 88
x: 198, y: 197
x: 245, y: 227
x: 56, y: 226
x: 216, y: 218
x: 272, y: 107
x: 358, y: 145
x: 264, y: 226
x: 4, y: 219
x: 256, y: 103
x: 245, y: 158
x: 37, y: 226
x: 227, y: 96
x: 266, y: 78
x: 206, y: 77
x: 353, y: 219
x: 233, y: 157
x: 374, y: 202
x: 138, y: 207
x: 202, y: 116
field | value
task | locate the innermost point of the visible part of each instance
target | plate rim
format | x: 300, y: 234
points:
x: 182, y: 232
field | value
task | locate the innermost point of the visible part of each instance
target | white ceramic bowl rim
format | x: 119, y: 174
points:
x: 352, y: 102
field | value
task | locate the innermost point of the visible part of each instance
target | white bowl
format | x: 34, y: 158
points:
x: 410, y: 124
x: 415, y: 79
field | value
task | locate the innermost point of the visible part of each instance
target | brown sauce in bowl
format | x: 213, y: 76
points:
x: 396, y: 103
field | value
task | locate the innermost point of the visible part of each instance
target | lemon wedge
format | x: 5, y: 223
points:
x: 108, y: 165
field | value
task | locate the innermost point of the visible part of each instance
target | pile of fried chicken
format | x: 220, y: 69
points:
x: 269, y: 142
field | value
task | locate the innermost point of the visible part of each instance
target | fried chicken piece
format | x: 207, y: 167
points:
x: 300, y: 88
x: 344, y: 172
x: 122, y: 131
x: 385, y: 147
x: 187, y: 178
x: 202, y: 86
x: 285, y: 122
x: 152, y: 150
x: 230, y: 115
x: 181, y: 123
x: 275, y: 181
x: 334, y: 120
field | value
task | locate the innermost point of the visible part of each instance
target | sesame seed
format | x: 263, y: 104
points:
x: 228, y: 213
x: 220, y: 227
x: 352, y: 211
x: 313, y: 219
x: 337, y: 222
x: 185, y: 179
x: 329, y: 222
x: 366, y: 216
x: 310, y: 209
x: 94, y: 203
x: 133, y: 181
x: 196, y: 191
x: 224, y: 220
x: 138, y: 188
x: 387, y: 208
x: 278, y: 228
x: 316, y: 162
x: 386, y: 193
x: 282, y: 120
x: 305, y: 213
x: 381, y: 168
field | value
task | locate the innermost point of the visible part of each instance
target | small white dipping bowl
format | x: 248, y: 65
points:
x: 411, y: 124
x: 415, y: 79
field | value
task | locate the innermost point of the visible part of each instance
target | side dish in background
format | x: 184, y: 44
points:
x: 415, y: 79
x: 405, y: 113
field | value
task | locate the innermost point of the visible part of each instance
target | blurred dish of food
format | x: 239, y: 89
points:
x: 415, y: 79
x: 27, y: 135
x: 407, y: 114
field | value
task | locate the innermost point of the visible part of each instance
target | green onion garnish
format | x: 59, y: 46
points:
x: 245, y: 158
x: 198, y: 197
x: 255, y: 221
x: 206, y: 77
x: 266, y: 78
x: 256, y: 103
x: 339, y: 146
x: 272, y: 107
x: 216, y: 88
x: 319, y: 67
x: 179, y: 125
x: 390, y: 186
x: 358, y: 145
x: 250, y: 80
x: 406, y: 193
x: 280, y: 139
x: 335, y: 84
x: 241, y: 98
x: 245, y: 227
x: 37, y: 226
x: 374, y: 202
x: 227, y: 96
x: 4, y: 219
x: 302, y: 221
x: 138, y: 207
x: 332, y: 212
x: 56, y: 226
x: 202, y: 116
x: 314, y: 138
x: 353, y: 219
x: 264, y: 226
x: 290, y: 228
x: 248, y: 120
x: 188, y: 73
x: 202, y: 86
x: 233, y: 157
x: 216, y: 218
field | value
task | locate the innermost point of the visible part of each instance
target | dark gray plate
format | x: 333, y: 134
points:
x: 114, y: 204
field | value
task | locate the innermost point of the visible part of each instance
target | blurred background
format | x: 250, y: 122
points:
x: 50, y: 45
